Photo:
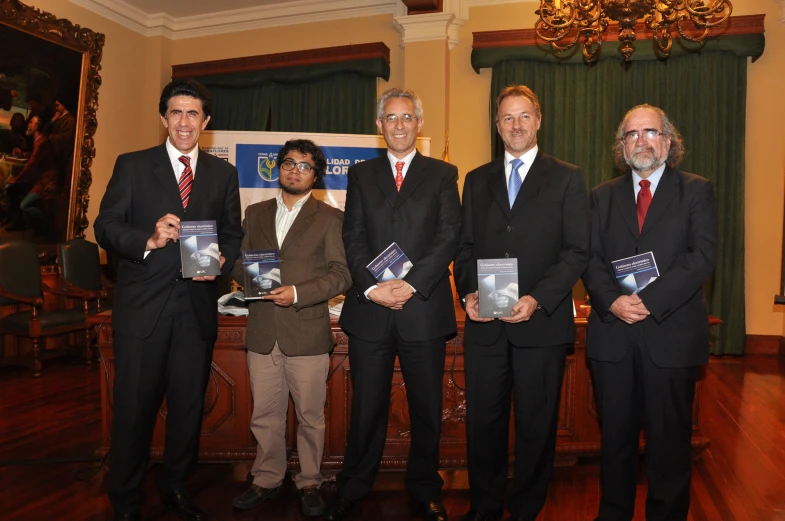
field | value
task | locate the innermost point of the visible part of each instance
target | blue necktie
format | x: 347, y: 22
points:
x: 514, y: 185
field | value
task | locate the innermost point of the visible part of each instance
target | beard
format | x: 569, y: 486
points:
x: 641, y: 163
x: 292, y: 190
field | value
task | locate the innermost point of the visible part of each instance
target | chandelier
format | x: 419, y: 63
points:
x: 563, y: 23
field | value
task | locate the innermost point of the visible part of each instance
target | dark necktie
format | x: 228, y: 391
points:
x: 186, y: 181
x: 644, y: 201
x: 399, y: 174
x: 514, y: 184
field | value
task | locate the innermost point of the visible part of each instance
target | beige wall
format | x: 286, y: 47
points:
x: 135, y: 68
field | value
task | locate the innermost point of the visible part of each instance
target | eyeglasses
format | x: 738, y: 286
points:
x: 289, y: 165
x: 649, y: 134
x: 392, y: 119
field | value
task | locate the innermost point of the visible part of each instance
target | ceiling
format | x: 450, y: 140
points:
x: 181, y: 8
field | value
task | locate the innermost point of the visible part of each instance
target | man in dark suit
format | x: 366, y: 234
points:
x: 533, y: 207
x: 289, y: 334
x: 646, y: 348
x: 164, y: 326
x: 412, y: 200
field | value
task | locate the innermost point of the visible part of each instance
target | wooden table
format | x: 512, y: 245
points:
x: 226, y: 435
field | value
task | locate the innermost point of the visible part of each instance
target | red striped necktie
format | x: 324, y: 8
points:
x: 186, y: 181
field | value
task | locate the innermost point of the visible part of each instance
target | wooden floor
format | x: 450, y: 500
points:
x: 50, y: 429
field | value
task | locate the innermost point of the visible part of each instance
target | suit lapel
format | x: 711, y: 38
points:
x: 497, y: 185
x: 625, y: 200
x: 267, y: 223
x: 201, y: 179
x: 414, y: 176
x: 301, y: 223
x: 385, y: 178
x: 162, y: 169
x: 667, y: 190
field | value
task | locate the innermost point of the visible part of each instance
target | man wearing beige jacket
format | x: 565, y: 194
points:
x: 288, y: 334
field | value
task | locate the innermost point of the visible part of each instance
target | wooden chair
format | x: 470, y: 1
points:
x: 80, y: 275
x: 21, y: 286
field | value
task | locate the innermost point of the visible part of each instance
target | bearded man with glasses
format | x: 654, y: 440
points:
x: 645, y: 348
x: 288, y: 335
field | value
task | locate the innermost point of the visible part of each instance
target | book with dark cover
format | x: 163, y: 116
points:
x: 199, y: 251
x: 636, y: 272
x: 261, y: 272
x: 497, y: 285
x: 390, y: 264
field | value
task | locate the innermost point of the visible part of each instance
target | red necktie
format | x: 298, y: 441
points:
x: 399, y: 174
x: 644, y: 201
x: 186, y: 181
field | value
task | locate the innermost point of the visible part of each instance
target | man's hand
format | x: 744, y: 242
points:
x: 283, y: 296
x: 403, y: 291
x: 473, y: 308
x: 208, y: 278
x: 629, y: 308
x: 522, y: 311
x: 384, y: 296
x: 166, y: 229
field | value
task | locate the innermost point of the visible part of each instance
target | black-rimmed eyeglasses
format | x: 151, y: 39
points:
x: 289, y: 165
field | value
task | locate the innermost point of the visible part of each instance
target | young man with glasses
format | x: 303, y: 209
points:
x: 645, y: 349
x: 410, y: 199
x: 288, y: 335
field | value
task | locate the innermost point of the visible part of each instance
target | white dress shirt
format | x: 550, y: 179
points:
x: 654, y: 178
x: 284, y: 218
x: 527, y: 158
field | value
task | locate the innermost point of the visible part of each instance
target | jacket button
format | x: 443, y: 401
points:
x: 509, y: 228
x: 506, y: 255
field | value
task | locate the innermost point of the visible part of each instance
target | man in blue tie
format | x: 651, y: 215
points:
x: 533, y: 207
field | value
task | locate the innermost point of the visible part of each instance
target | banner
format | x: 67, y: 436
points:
x: 254, y: 154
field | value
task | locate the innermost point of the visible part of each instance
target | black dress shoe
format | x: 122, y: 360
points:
x: 338, y: 509
x: 181, y: 504
x: 255, y: 496
x: 434, y: 511
x: 477, y: 516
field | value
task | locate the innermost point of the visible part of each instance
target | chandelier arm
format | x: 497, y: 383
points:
x: 704, y: 16
x: 694, y: 39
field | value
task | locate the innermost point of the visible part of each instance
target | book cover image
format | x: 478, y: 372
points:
x: 497, y: 284
x: 636, y: 272
x: 390, y: 264
x: 199, y: 251
x: 261, y: 272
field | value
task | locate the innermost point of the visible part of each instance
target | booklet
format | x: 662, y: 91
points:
x: 390, y: 264
x: 261, y: 272
x: 199, y: 251
x: 636, y: 272
x: 497, y: 284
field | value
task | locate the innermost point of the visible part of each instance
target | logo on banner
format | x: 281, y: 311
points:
x: 265, y: 165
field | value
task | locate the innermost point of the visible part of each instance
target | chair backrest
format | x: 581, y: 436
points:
x: 80, y: 264
x: 20, y: 270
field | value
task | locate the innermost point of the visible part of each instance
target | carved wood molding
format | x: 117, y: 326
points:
x: 62, y: 32
x: 423, y: 6
x: 736, y: 25
x: 361, y: 51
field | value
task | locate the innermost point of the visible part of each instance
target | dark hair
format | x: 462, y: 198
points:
x: 518, y: 91
x: 186, y: 87
x: 305, y: 146
x: 17, y: 115
x: 676, y: 152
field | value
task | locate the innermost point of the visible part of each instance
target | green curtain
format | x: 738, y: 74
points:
x: 705, y: 97
x: 335, y: 97
x: 344, y: 104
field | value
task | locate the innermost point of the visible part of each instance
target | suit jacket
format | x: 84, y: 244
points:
x: 547, y: 230
x: 313, y: 260
x: 143, y: 188
x: 681, y: 230
x: 424, y: 218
